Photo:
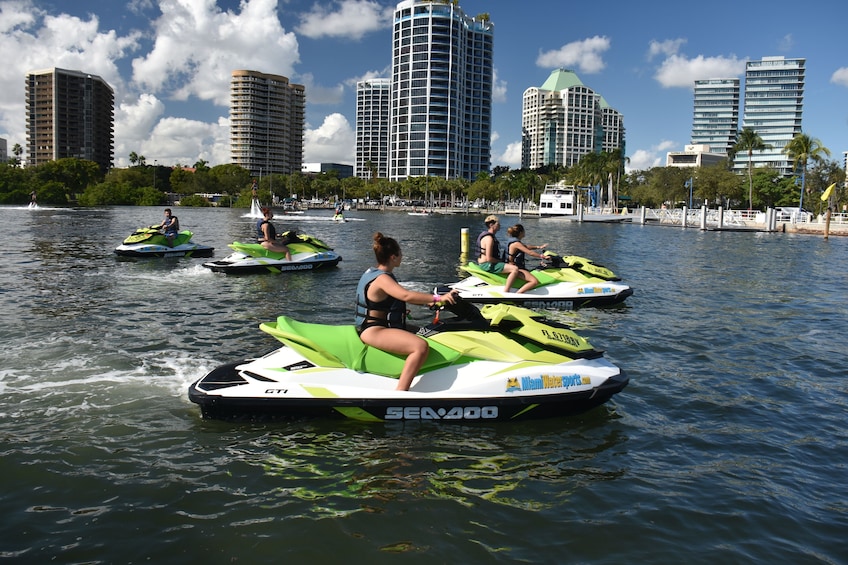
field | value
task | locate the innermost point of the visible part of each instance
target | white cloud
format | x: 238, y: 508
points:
x: 141, y: 128
x: 20, y: 14
x: 198, y: 46
x: 332, y: 142
x: 840, y: 76
x: 369, y: 75
x: 185, y: 142
x: 511, y: 157
x: 643, y: 159
x: 666, y: 145
x: 352, y: 19
x: 585, y: 55
x: 677, y: 70
x: 321, y: 94
x: 667, y: 47
x: 40, y: 42
x: 134, y: 121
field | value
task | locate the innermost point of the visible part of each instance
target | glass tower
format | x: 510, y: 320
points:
x: 441, y: 94
x: 774, y: 102
x: 716, y: 117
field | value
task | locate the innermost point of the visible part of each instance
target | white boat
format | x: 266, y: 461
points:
x: 558, y: 200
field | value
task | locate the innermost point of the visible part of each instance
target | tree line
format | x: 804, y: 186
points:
x: 80, y: 182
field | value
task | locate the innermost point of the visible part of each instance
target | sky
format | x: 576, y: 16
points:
x: 170, y: 61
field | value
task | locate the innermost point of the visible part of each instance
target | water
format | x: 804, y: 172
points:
x: 729, y: 443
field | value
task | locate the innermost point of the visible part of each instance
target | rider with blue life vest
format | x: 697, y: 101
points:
x: 489, y: 258
x: 267, y: 234
x: 381, y: 310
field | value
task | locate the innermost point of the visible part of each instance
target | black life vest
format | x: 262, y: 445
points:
x: 519, y: 258
x: 272, y: 231
x: 395, y: 309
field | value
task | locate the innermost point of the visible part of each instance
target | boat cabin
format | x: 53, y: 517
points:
x: 558, y: 200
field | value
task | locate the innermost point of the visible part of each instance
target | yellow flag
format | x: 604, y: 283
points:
x: 828, y: 192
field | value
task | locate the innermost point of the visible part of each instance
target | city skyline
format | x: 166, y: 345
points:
x: 169, y: 63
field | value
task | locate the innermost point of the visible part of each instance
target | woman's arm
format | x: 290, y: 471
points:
x: 391, y: 287
x: 527, y: 249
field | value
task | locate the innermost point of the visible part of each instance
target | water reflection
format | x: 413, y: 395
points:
x: 353, y: 468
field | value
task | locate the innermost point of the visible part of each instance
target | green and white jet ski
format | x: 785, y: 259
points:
x: 307, y: 254
x: 565, y: 283
x: 151, y: 242
x: 500, y: 362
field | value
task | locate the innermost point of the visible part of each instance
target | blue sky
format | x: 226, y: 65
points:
x: 169, y: 62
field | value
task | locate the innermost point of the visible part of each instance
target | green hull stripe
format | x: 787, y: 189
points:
x: 320, y: 392
x: 356, y: 414
x: 531, y: 407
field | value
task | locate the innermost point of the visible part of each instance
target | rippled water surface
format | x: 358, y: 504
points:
x: 729, y: 444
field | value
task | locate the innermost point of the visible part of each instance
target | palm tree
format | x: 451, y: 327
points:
x: 749, y: 141
x: 801, y: 150
x: 17, y: 150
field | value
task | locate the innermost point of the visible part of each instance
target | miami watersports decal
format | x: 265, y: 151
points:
x: 518, y: 384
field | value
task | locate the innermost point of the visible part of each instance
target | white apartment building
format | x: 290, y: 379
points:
x: 372, y: 128
x: 694, y: 155
x: 563, y: 120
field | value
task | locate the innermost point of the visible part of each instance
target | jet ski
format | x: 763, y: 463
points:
x: 151, y: 242
x: 307, y: 253
x: 565, y: 283
x: 497, y: 362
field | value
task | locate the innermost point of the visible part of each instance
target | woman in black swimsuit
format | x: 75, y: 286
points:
x: 381, y: 310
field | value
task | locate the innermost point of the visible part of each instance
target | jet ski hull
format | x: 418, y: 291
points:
x: 149, y: 242
x: 560, y: 288
x: 240, y: 263
x: 407, y: 407
x: 559, y: 296
x: 470, y: 374
x: 252, y: 258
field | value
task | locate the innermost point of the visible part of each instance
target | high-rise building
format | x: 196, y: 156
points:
x: 372, y: 128
x: 774, y: 103
x: 845, y: 168
x: 267, y: 119
x: 441, y: 94
x: 69, y: 114
x: 716, y: 116
x: 563, y: 120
